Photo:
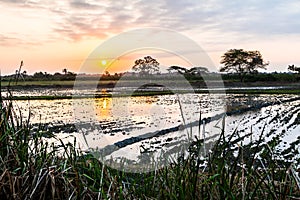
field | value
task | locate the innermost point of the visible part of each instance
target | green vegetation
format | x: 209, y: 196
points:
x: 230, y: 80
x: 263, y: 91
x: 274, y: 78
x: 45, y: 83
x: 196, y: 79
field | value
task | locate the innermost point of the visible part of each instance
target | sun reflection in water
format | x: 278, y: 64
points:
x: 103, y: 106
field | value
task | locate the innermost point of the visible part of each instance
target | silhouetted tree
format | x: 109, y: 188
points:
x: 146, y: 66
x: 65, y: 71
x: 57, y: 74
x: 192, y: 71
x: 294, y: 68
x: 71, y: 73
x: 242, y: 62
x: 180, y: 70
x: 38, y: 75
x: 198, y: 70
x: 107, y: 73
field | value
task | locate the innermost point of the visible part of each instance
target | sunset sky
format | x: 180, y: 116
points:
x: 51, y: 35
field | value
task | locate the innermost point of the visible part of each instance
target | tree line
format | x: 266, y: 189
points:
x: 235, y: 61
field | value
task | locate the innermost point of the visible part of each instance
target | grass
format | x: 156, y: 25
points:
x: 40, y: 83
x: 265, y: 91
x: 32, y: 168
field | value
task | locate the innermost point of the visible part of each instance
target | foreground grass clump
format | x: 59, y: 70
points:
x: 230, y: 171
x: 32, y: 168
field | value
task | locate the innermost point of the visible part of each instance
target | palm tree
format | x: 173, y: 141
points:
x: 65, y: 71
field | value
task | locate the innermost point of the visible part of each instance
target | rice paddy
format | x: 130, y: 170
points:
x: 48, y: 147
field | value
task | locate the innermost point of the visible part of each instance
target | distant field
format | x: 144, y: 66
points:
x: 38, y: 83
x: 101, y: 83
x: 69, y: 83
x: 232, y: 87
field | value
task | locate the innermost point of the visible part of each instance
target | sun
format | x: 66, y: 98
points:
x: 103, y: 62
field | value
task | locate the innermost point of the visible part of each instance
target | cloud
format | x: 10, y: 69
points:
x: 16, y: 41
x: 78, y: 19
x: 4, y: 40
x: 13, y: 1
x: 262, y: 18
x: 81, y: 4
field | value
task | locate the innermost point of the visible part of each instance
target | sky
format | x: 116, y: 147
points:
x: 52, y: 35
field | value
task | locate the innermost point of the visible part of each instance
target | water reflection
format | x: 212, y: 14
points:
x: 109, y: 120
x: 144, y: 111
x: 103, y: 108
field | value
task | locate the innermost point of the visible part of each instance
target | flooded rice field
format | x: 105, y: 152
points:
x: 131, y: 126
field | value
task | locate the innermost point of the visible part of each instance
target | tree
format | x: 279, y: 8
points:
x: 38, y: 74
x: 65, y: 71
x: 23, y: 74
x: 107, y: 73
x: 180, y: 70
x: 146, y: 66
x: 294, y: 68
x: 242, y: 62
x: 198, y: 70
x: 192, y: 71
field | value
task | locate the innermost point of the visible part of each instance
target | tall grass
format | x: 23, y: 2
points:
x: 32, y: 168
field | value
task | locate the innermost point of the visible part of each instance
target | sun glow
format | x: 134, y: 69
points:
x: 103, y: 62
